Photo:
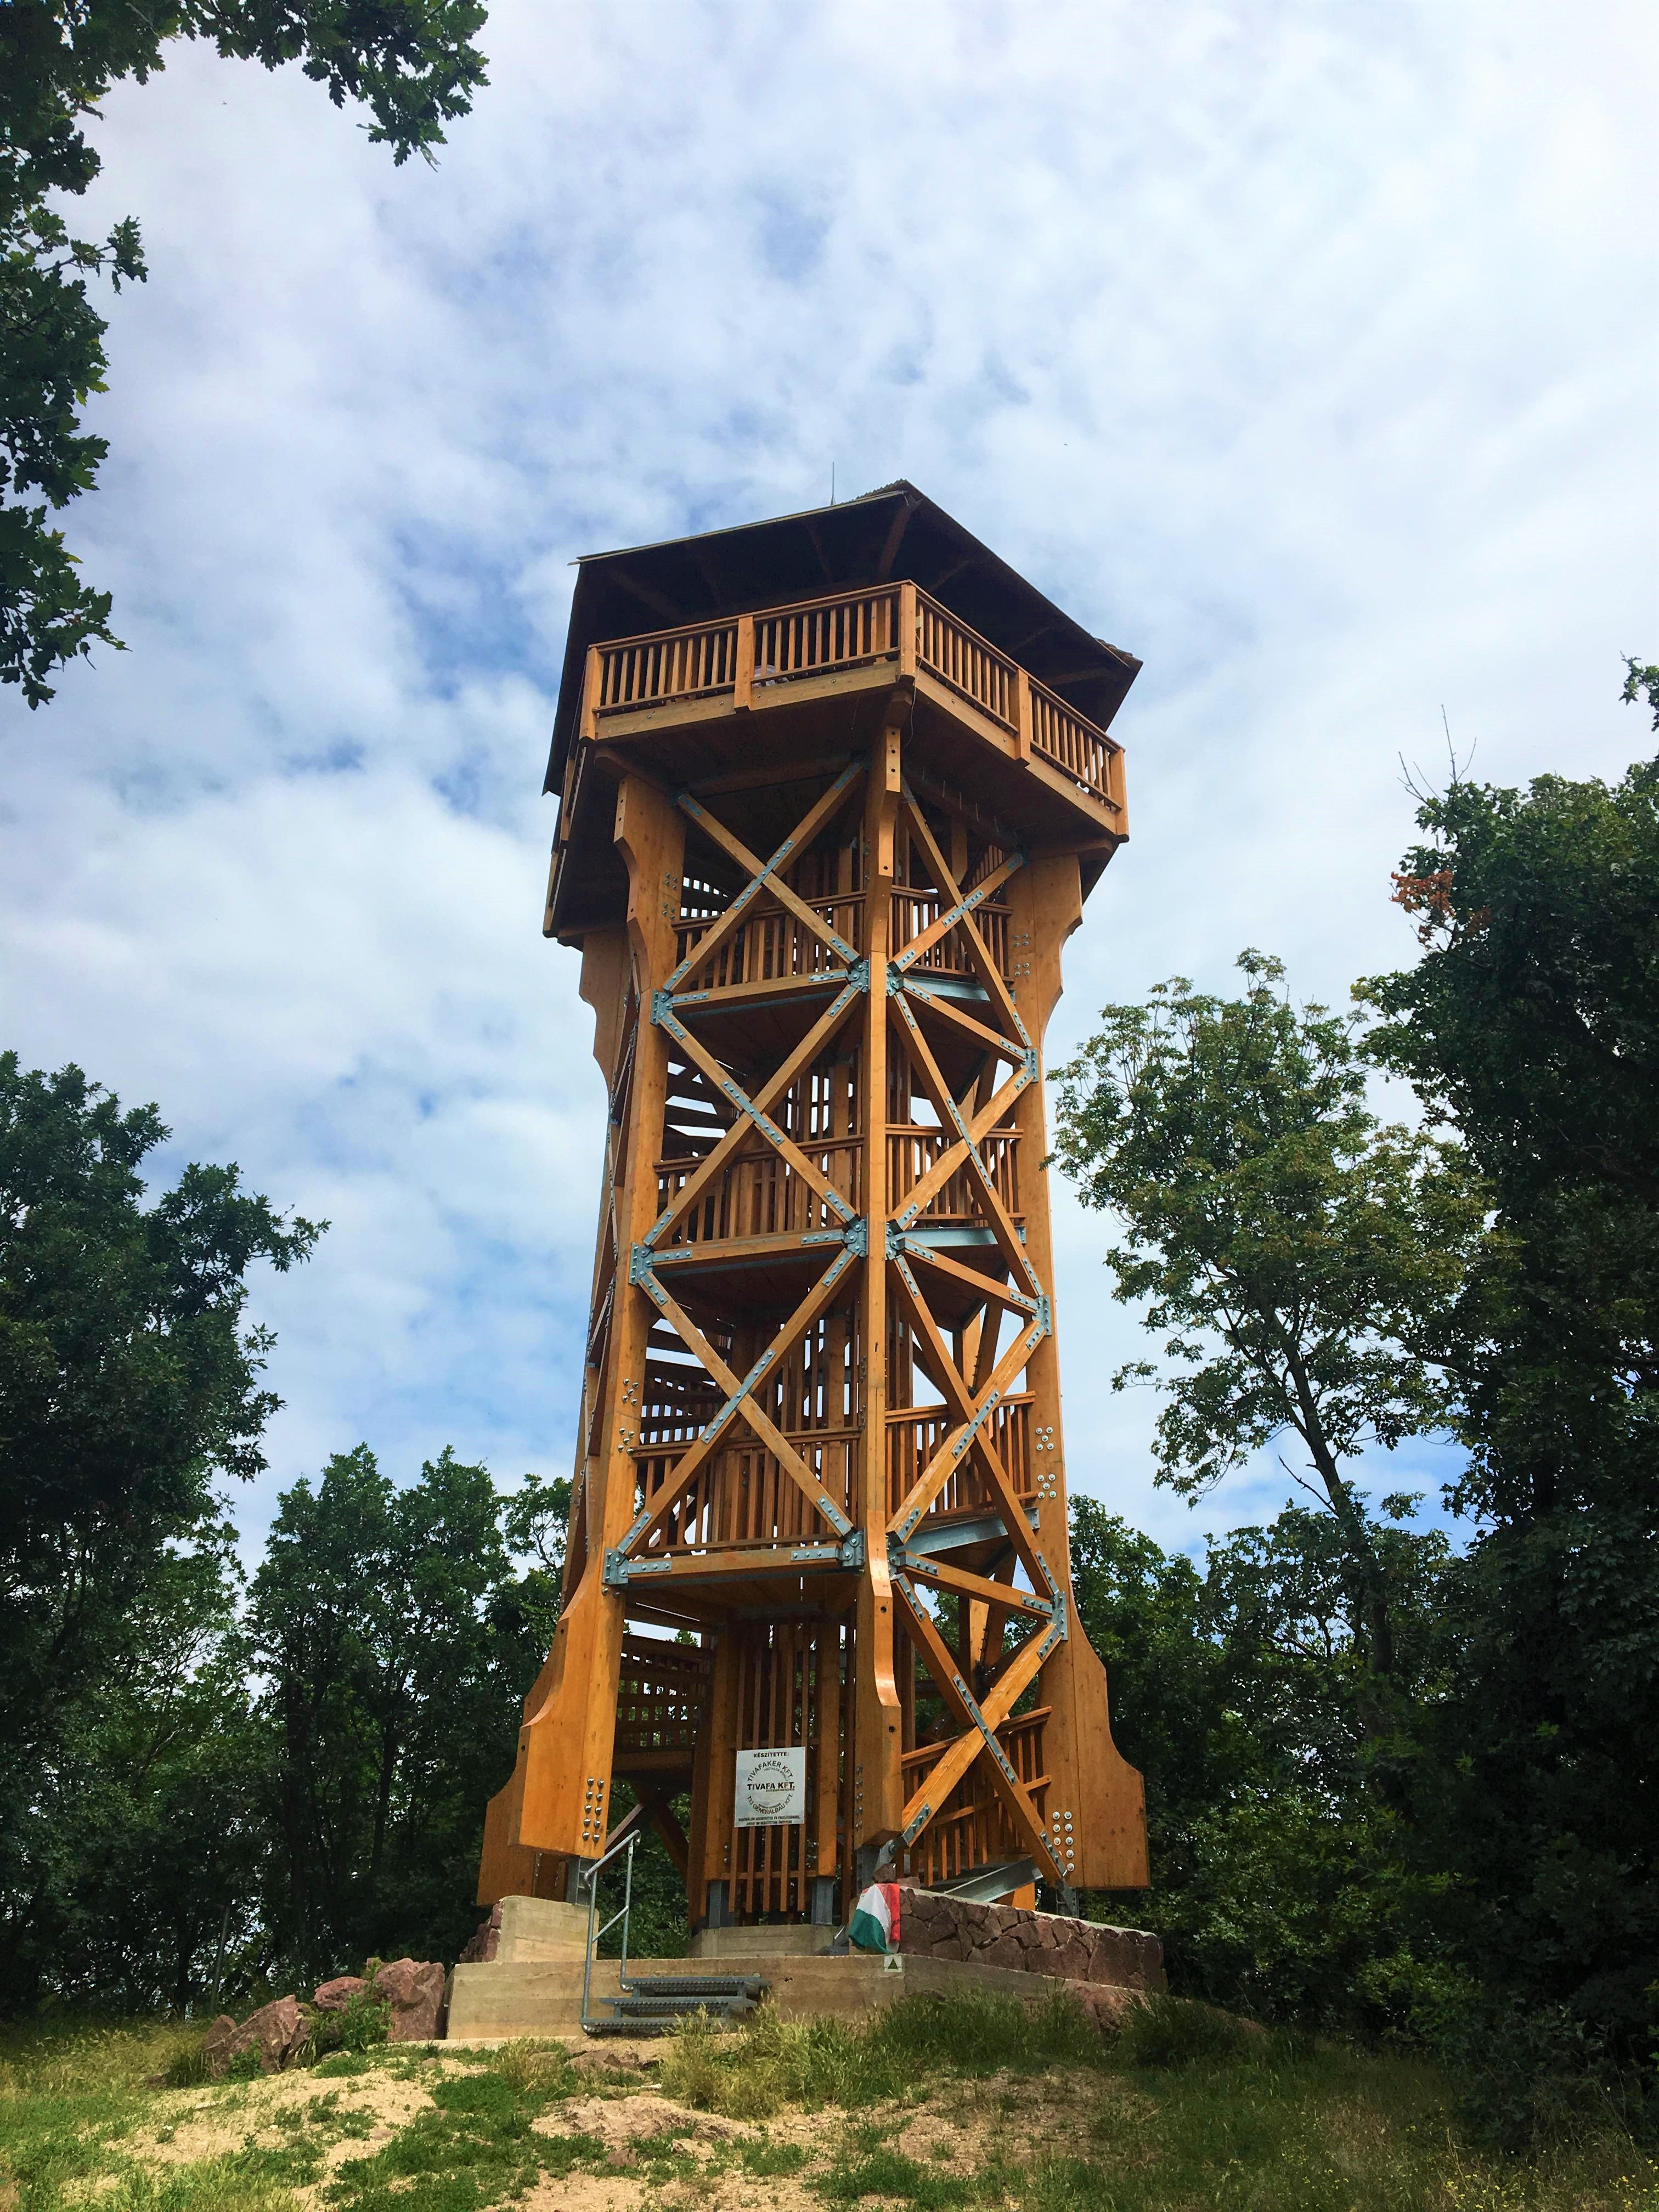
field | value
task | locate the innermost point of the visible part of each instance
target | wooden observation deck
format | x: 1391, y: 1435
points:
x: 822, y: 831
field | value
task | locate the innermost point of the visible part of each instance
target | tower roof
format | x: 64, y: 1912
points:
x: 895, y: 533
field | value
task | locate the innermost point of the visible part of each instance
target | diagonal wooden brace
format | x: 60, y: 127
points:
x: 983, y: 1721
x: 739, y: 1402
x: 990, y: 975
x: 945, y: 1107
x: 937, y: 1003
x: 972, y: 1414
x: 751, y: 1113
x: 947, y: 918
x: 761, y: 873
x: 921, y: 1194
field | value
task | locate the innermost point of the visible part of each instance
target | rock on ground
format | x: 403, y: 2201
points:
x: 336, y: 1995
x: 415, y: 1992
x: 276, y: 2032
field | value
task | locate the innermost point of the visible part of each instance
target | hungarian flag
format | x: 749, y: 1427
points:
x: 874, y: 1925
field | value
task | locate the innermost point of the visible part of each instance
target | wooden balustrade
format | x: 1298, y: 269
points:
x: 915, y: 909
x: 824, y: 633
x: 741, y: 1495
x: 660, y: 1698
x: 1076, y: 747
x: 674, y: 664
x: 769, y: 944
x: 899, y: 623
x: 760, y: 1194
x: 913, y: 1437
x: 971, y: 1829
x: 960, y: 658
x: 911, y: 1152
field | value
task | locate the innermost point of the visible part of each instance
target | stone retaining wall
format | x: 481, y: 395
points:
x: 932, y: 1925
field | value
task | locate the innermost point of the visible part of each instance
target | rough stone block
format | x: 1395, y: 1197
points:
x: 336, y: 1995
x: 275, y: 2032
x: 416, y: 1993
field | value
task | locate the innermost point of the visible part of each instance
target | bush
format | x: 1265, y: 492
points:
x: 1532, y: 2077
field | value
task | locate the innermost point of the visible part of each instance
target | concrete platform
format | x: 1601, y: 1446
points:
x: 790, y: 1940
x: 498, y: 2001
x: 540, y: 1929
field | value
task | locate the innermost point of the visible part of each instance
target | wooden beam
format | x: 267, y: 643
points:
x: 986, y: 1588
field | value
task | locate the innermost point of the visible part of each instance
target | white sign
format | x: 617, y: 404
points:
x: 771, y: 1788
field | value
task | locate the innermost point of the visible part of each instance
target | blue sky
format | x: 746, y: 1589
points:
x: 1308, y: 352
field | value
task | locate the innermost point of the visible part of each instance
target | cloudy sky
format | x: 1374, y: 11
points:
x: 1305, y: 351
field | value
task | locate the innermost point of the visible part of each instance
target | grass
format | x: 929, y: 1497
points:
x: 930, y: 2107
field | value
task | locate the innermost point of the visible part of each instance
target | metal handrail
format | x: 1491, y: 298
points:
x: 591, y: 1877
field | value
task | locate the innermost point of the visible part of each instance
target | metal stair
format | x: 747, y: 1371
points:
x: 649, y: 2004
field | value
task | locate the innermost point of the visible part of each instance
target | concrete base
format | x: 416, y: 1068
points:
x: 495, y: 2001
x: 539, y: 1930
x: 798, y: 1939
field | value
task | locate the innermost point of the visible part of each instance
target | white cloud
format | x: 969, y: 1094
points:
x: 1305, y: 352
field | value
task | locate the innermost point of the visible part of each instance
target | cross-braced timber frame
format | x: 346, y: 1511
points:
x: 822, y: 1199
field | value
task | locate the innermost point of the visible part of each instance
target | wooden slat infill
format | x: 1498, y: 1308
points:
x: 1072, y: 744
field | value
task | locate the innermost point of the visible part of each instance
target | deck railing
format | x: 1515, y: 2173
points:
x: 770, y: 944
x: 913, y: 1437
x: 675, y: 663
x: 914, y: 910
x: 971, y: 1829
x: 825, y: 634
x: 962, y: 659
x: 760, y: 1194
x: 660, y: 1696
x: 742, y: 1495
x: 912, y: 1152
x: 1075, y: 746
x: 899, y: 623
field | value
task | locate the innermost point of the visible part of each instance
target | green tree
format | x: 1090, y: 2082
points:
x: 535, y: 1526
x: 1531, y: 1026
x: 129, y: 1384
x: 144, y: 1848
x: 1285, y: 1882
x: 1301, y: 1255
x: 393, y: 1664
x: 411, y: 62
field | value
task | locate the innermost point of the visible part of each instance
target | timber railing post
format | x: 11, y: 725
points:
x: 591, y: 680
x: 1021, y: 704
x: 908, y: 620
x: 743, y: 682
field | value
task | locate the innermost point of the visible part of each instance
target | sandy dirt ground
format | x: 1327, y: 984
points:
x: 691, y: 2161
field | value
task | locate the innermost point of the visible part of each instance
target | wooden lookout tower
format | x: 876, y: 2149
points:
x: 832, y: 792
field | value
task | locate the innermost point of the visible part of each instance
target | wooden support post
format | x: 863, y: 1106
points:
x: 878, y: 1721
x: 709, y: 1882
x: 567, y: 1785
x: 1097, y: 1816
